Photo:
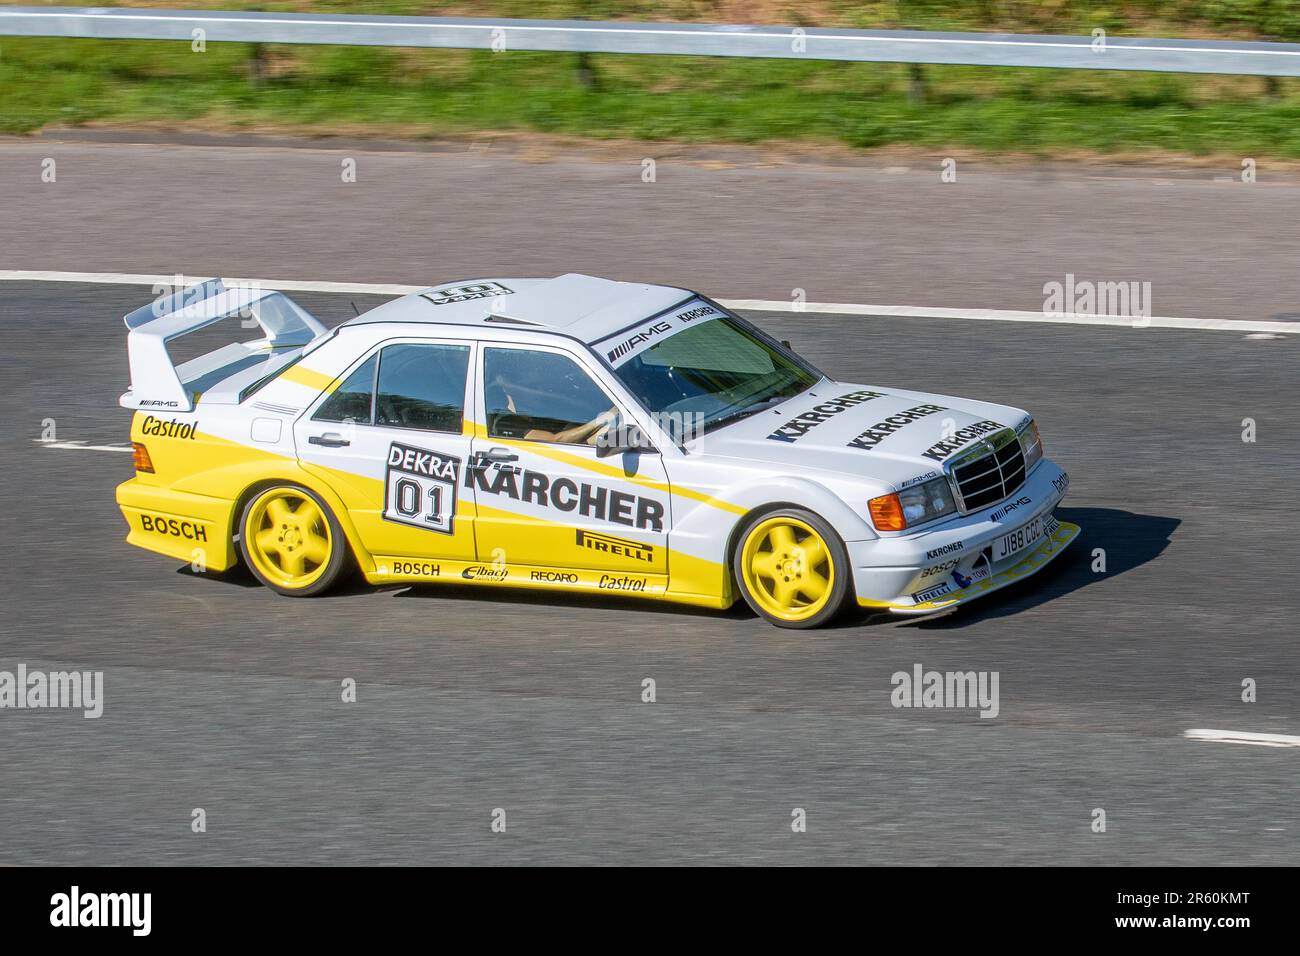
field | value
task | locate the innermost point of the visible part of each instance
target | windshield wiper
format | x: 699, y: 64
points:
x: 740, y: 413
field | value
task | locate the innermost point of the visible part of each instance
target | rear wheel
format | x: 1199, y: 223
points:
x: 291, y: 541
x: 792, y: 568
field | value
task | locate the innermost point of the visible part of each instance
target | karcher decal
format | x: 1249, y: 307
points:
x: 803, y: 423
x: 878, y: 432
x: 962, y: 436
x: 567, y: 495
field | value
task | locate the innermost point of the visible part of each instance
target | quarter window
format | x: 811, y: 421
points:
x: 350, y: 402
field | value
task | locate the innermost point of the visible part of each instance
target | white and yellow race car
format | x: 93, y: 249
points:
x: 572, y: 434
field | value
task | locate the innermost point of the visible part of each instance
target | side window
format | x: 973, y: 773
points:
x: 422, y: 386
x: 542, y: 396
x: 351, y: 400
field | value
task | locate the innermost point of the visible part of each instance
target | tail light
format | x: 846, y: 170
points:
x: 140, y: 455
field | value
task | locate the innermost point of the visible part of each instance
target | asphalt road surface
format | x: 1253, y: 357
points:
x: 223, y: 696
x: 737, y: 228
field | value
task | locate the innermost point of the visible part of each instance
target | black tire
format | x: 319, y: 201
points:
x: 838, y: 594
x: 321, y: 577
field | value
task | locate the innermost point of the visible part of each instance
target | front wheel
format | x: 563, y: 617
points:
x: 291, y: 541
x: 792, y: 568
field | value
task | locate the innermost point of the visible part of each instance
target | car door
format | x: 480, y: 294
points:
x: 393, y: 441
x: 544, y: 498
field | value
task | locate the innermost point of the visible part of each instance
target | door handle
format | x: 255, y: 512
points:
x: 495, y: 456
x: 329, y: 440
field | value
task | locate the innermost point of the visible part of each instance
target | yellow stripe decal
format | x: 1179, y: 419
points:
x: 301, y: 375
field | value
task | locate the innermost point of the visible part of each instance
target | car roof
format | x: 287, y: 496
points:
x: 584, y: 307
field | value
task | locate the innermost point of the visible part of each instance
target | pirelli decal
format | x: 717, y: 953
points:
x: 617, y: 547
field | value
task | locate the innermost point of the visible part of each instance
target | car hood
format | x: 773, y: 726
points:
x: 887, y: 435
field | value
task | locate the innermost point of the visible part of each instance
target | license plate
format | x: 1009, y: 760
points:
x: 1023, y: 537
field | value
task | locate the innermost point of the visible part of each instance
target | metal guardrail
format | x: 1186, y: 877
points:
x: 683, y: 39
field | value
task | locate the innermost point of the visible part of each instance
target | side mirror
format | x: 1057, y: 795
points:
x: 619, y: 437
x: 786, y: 343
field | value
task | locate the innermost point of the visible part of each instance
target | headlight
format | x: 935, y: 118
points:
x: 912, y: 506
x: 1031, y: 443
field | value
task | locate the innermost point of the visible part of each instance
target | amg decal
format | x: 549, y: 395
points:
x: 1009, y: 507
x: 878, y: 432
x: 962, y: 436
x: 619, y: 547
x: 158, y: 403
x: 917, y: 480
x: 634, y: 340
x: 803, y: 423
x: 464, y: 293
x: 567, y: 495
x: 420, y: 488
x: 167, y: 429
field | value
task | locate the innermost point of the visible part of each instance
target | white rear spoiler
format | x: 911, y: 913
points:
x: 159, y: 384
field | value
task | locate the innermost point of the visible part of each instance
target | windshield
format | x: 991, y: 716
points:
x: 698, y: 368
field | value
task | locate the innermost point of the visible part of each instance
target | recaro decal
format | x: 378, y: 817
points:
x: 619, y: 547
x: 878, y: 432
x: 167, y: 428
x: 567, y: 495
x: 420, y: 488
x: 962, y: 436
x: 464, y: 293
x: 805, y: 422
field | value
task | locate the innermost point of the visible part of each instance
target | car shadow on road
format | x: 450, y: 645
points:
x: 1129, y: 540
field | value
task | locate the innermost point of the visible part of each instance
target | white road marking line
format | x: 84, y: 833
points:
x: 755, y: 305
x: 81, y: 446
x: 1243, y: 737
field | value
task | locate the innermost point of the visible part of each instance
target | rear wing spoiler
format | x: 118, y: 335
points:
x: 157, y: 383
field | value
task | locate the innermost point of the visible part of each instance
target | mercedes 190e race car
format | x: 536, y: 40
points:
x: 574, y: 434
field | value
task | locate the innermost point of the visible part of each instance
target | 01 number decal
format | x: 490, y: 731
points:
x: 420, y: 488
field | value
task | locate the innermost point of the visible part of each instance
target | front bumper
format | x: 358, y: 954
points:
x: 951, y: 564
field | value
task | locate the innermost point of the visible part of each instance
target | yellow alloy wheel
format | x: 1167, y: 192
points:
x: 288, y: 538
x: 788, y: 568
